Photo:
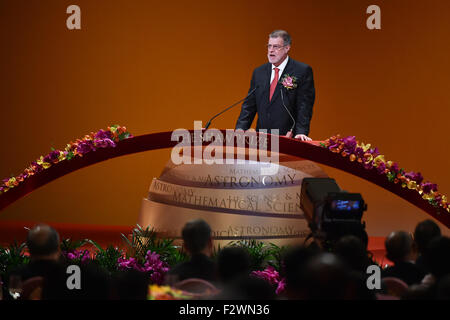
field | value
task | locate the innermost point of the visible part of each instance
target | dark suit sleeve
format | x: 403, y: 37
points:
x: 248, y: 110
x: 305, y: 102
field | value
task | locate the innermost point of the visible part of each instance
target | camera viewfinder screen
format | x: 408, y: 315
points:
x: 344, y: 205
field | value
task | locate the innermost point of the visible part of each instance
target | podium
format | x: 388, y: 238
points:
x: 235, y: 199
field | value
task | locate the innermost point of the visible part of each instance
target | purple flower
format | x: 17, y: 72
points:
x: 417, y: 177
x: 36, y: 167
x: 152, y: 265
x: 24, y: 175
x: 394, y: 168
x: 427, y: 187
x: 281, y: 286
x: 368, y: 165
x: 52, y: 157
x: 273, y: 277
x: 105, y: 143
x: 381, y: 167
x: 82, y: 255
x: 359, y: 152
x: 374, y: 152
x: 157, y: 278
x: 333, y: 146
x: 103, y: 134
x: 125, y: 264
x: 349, y: 144
x: 71, y: 256
x: 85, y: 147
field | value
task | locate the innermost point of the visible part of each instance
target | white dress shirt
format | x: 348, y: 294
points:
x: 280, y: 67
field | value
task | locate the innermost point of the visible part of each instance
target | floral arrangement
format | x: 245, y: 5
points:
x: 370, y: 158
x: 273, y: 277
x: 156, y: 292
x: 152, y: 265
x: 289, y: 82
x: 77, y: 256
x: 102, y: 139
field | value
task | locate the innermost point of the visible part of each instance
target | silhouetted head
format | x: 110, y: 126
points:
x: 425, y: 231
x: 233, y: 262
x: 398, y: 246
x: 43, y: 242
x: 197, y: 236
x: 294, y: 261
x: 437, y: 255
x: 326, y: 277
x: 353, y: 252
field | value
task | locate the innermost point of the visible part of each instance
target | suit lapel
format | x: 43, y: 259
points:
x: 266, y: 85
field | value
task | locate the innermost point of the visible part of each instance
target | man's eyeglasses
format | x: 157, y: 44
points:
x: 274, y: 47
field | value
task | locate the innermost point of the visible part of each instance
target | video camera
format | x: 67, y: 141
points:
x: 331, y: 213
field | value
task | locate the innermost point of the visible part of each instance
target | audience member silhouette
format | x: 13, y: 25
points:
x: 45, y: 261
x: 399, y: 249
x: 309, y: 273
x: 131, y: 285
x: 351, y: 250
x: 326, y: 277
x: 95, y: 283
x: 294, y: 261
x: 198, y: 244
x: 232, y: 263
x: 437, y: 256
x: 235, y: 282
x: 425, y: 232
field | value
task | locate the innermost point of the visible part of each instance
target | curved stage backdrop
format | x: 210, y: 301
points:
x: 157, y: 66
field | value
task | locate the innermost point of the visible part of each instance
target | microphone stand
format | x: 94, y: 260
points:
x: 210, y: 120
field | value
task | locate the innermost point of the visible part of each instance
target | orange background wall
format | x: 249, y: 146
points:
x: 159, y: 65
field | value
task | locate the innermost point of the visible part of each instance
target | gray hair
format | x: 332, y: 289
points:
x: 282, y: 34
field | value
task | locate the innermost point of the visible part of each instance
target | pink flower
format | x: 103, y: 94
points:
x: 289, y: 82
x: 273, y: 277
x: 281, y: 286
x: 78, y: 254
x: 104, y: 143
x: 71, y: 256
x: 152, y: 265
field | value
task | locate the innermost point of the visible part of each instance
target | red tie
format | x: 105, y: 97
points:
x: 274, y: 83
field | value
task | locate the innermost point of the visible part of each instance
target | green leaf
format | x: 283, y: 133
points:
x: 96, y: 245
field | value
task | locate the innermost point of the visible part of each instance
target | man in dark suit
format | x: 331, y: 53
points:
x: 284, y: 94
x: 399, y: 249
x: 45, y: 261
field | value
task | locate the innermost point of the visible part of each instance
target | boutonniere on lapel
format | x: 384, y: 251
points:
x: 289, y: 82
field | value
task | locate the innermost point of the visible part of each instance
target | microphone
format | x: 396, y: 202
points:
x: 210, y: 120
x: 289, y: 134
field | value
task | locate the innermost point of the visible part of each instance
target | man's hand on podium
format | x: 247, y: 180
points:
x: 302, y: 137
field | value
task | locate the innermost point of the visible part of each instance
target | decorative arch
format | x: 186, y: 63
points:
x: 154, y: 141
